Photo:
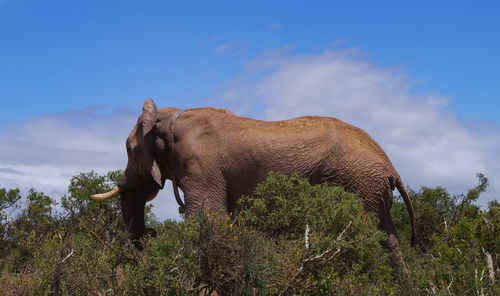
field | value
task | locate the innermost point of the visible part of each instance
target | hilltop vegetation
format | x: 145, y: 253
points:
x: 291, y: 238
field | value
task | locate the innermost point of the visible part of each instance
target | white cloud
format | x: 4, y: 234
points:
x: 428, y: 145
x: 232, y: 46
x: 212, y: 40
x: 51, y: 147
x: 46, y: 151
x: 275, y: 26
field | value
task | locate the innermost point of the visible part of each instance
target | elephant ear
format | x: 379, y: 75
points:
x: 148, y: 117
x: 147, y: 122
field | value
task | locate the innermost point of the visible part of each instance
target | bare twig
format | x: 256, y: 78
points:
x: 91, y: 231
x: 306, y: 237
x: 487, y: 223
x: 56, y: 277
x: 322, y: 257
x: 327, y: 255
x: 489, y: 261
x: 340, y: 237
x: 133, y: 259
x: 67, y: 256
x: 179, y: 253
x: 449, y: 286
x: 433, y: 290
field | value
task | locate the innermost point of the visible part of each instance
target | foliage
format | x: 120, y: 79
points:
x: 455, y: 240
x: 249, y: 255
x: 343, y: 241
x: 289, y: 238
x: 79, y: 251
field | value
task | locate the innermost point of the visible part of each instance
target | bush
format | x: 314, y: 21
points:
x: 262, y: 250
x: 288, y: 238
x: 76, y: 252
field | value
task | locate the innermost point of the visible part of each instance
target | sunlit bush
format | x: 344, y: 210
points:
x: 288, y: 238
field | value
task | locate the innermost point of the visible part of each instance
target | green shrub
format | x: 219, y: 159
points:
x: 260, y: 250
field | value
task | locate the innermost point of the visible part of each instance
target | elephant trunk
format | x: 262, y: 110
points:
x: 133, y: 216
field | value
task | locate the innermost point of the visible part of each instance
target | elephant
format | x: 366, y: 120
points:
x: 215, y: 157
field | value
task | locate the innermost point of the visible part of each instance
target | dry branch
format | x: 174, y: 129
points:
x: 326, y: 256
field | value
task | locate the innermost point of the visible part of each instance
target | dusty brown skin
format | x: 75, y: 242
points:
x: 220, y: 156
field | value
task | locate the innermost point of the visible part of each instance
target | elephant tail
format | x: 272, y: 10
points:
x: 409, y: 207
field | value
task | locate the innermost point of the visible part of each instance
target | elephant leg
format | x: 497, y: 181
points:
x: 206, y: 195
x: 392, y: 242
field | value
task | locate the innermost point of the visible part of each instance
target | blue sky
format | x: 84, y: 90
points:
x: 63, y: 55
x: 75, y: 63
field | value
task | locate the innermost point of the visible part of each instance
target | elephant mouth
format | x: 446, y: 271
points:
x: 152, y: 195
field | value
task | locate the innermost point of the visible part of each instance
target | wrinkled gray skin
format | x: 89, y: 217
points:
x: 220, y: 156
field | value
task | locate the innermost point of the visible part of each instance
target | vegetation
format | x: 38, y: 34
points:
x: 290, y: 238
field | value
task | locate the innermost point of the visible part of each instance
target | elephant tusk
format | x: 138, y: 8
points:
x: 107, y: 195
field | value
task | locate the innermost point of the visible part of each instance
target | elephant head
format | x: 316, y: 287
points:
x: 143, y: 177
